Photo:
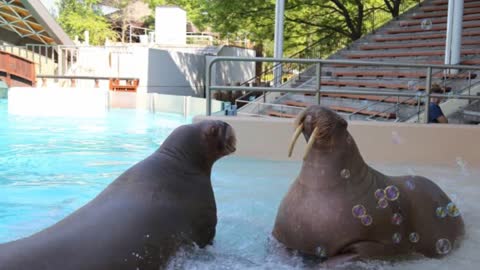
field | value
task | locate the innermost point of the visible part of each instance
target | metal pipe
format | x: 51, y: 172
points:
x: 318, y: 74
x: 427, y: 92
x: 207, y: 87
x: 340, y: 62
x: 278, y: 40
x: 344, y: 91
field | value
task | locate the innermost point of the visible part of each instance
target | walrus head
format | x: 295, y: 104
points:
x: 322, y: 128
x: 200, y: 143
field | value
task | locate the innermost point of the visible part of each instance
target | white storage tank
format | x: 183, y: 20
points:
x: 170, y: 25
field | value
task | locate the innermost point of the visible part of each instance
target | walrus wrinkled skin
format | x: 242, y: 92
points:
x: 141, y: 219
x: 336, y: 209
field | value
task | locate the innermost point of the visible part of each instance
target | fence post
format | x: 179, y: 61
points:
x: 318, y: 74
x: 427, y: 92
x: 207, y: 87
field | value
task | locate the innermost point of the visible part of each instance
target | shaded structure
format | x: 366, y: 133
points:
x: 26, y: 22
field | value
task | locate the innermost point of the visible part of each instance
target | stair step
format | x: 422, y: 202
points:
x: 433, y: 29
x: 473, y: 17
x: 420, y: 37
x: 445, y: 2
x: 407, y: 101
x: 345, y: 109
x: 445, y: 7
x: 444, y: 13
x: 369, y: 84
x: 394, y: 74
x: 356, y: 55
x: 413, y: 45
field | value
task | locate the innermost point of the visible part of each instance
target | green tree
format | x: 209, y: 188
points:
x: 76, y: 17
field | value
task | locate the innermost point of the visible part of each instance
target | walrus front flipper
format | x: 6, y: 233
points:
x: 370, y: 250
x: 335, y: 261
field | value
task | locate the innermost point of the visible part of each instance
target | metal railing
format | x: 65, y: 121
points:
x: 319, y: 63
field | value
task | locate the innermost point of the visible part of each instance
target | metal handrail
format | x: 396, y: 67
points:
x: 319, y: 63
x: 278, y: 64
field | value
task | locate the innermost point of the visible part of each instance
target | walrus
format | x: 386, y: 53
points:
x: 340, y: 209
x: 143, y: 217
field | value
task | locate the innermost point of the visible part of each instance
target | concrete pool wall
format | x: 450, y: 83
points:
x: 379, y: 143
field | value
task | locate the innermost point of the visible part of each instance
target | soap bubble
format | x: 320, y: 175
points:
x: 345, y: 173
x: 426, y: 24
x: 379, y: 194
x: 412, y: 85
x: 452, y: 210
x: 462, y: 164
x: 410, y: 184
x: 383, y: 203
x: 441, y: 212
x: 443, y: 246
x: 396, y: 238
x: 392, y: 193
x: 396, y: 139
x: 359, y: 211
x: 414, y: 237
x: 366, y: 220
x: 321, y: 252
x: 397, y: 219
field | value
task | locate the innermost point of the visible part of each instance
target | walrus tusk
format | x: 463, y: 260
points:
x: 297, y: 133
x: 310, y: 142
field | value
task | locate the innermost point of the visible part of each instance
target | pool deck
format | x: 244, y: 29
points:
x: 379, y: 143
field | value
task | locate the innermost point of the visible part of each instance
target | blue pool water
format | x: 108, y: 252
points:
x: 49, y: 167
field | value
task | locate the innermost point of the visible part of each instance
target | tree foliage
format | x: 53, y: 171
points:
x: 333, y: 23
x: 76, y: 17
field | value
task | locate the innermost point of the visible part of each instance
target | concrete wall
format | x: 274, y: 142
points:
x: 175, y: 73
x: 379, y: 143
x: 185, y: 105
x: 233, y: 72
x: 160, y: 71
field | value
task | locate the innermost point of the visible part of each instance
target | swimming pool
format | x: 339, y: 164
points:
x: 49, y: 167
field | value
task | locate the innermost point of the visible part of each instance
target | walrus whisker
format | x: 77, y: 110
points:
x: 297, y: 133
x: 310, y: 142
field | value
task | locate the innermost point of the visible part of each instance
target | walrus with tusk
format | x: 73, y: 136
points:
x: 340, y: 209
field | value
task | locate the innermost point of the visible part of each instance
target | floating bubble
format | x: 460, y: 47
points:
x: 383, y: 203
x: 397, y: 219
x: 349, y: 139
x: 345, y: 173
x: 443, y: 246
x: 396, y: 139
x: 396, y: 238
x: 441, y: 212
x: 462, y: 164
x: 359, y: 211
x: 452, y: 210
x: 321, y: 252
x: 412, y: 85
x: 366, y: 220
x: 410, y: 184
x: 426, y: 24
x: 379, y: 194
x: 414, y: 237
x: 392, y: 193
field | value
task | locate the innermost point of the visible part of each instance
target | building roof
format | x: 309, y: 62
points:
x: 29, y: 19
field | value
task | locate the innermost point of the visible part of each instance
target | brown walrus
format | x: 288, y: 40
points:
x: 141, y: 219
x: 341, y: 209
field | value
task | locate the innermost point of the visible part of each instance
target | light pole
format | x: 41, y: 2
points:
x: 453, y: 43
x: 278, y: 48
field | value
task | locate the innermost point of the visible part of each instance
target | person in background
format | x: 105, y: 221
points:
x: 435, y: 114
